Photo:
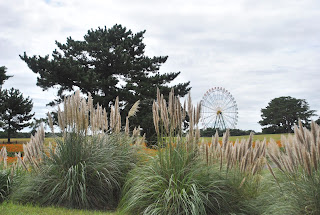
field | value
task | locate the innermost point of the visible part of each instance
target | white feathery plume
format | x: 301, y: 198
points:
x: 127, y: 126
x: 50, y: 122
x: 134, y: 109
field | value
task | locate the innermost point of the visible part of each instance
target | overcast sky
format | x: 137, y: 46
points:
x: 257, y: 50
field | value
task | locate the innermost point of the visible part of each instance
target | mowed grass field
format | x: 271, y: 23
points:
x: 260, y: 137
x: 16, y: 209
x: 207, y: 139
x: 24, y: 140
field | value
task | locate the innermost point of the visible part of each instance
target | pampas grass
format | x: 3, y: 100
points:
x: 93, y: 165
x: 168, y: 119
x: 175, y: 182
x: 190, y: 178
x: 299, y: 176
x: 87, y: 167
x: 84, y: 172
x: 9, y: 174
x: 3, y: 156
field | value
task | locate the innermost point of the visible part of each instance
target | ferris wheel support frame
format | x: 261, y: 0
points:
x: 219, y: 120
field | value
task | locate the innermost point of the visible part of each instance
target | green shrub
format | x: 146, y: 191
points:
x: 84, y: 172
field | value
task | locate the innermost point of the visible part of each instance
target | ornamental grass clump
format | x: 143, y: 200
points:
x: 241, y: 165
x: 5, y: 183
x: 240, y: 155
x: 180, y: 179
x: 5, y: 179
x: 87, y: 167
x: 296, y: 172
x: 9, y: 174
x: 174, y: 182
x: 169, y: 117
x: 83, y: 172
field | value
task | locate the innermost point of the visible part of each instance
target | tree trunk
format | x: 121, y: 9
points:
x: 9, y: 132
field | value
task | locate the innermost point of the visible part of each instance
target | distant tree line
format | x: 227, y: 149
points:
x: 4, y: 134
x: 209, y: 132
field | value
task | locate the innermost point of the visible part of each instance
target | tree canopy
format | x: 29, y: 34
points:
x: 15, y: 111
x: 3, y: 76
x: 107, y: 63
x: 282, y: 113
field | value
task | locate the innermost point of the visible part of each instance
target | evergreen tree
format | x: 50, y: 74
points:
x: 36, y: 123
x: 107, y: 63
x: 282, y: 113
x: 3, y: 76
x: 15, y: 111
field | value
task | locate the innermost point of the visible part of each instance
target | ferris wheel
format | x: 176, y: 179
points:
x: 218, y: 109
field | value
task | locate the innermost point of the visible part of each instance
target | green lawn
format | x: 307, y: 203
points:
x: 15, y: 209
x: 255, y: 137
x: 24, y: 140
x: 208, y: 139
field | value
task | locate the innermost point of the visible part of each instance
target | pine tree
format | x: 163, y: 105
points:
x: 282, y: 113
x: 107, y: 63
x: 3, y: 76
x: 15, y: 111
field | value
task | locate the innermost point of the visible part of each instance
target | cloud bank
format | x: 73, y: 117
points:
x: 257, y: 50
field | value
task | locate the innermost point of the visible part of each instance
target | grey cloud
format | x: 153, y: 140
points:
x: 8, y: 50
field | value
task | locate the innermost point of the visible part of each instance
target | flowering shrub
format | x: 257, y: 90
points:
x: 13, y: 147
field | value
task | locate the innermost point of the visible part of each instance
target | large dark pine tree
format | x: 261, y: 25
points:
x: 107, y: 63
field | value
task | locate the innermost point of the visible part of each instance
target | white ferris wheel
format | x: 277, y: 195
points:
x: 219, y: 109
